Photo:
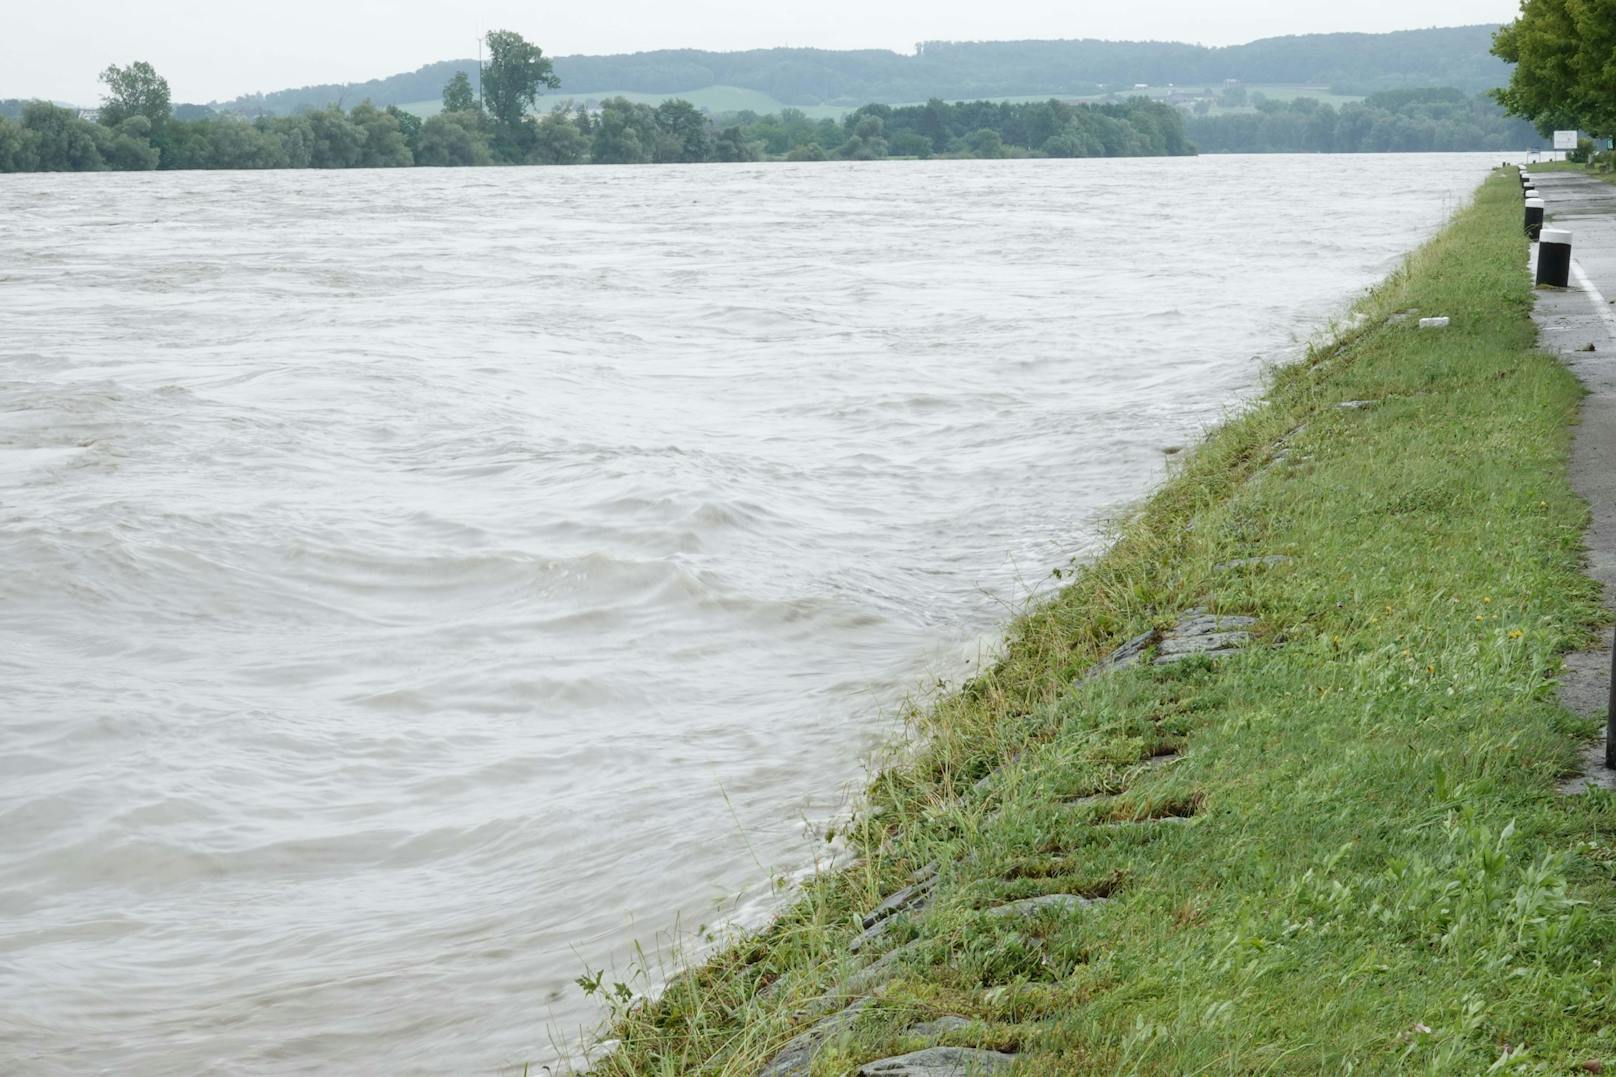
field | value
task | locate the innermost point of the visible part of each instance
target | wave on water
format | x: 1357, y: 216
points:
x: 421, y: 586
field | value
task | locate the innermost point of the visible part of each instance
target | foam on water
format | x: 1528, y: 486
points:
x: 416, y: 582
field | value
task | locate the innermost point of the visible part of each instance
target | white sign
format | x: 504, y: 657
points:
x: 1565, y: 140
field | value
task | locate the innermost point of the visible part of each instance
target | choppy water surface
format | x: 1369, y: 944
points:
x: 416, y: 583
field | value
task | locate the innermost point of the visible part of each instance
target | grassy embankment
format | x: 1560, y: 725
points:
x: 1378, y: 874
x: 1571, y: 166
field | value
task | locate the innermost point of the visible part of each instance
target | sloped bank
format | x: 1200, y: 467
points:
x: 1271, y: 786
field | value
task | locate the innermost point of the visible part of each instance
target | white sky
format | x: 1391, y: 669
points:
x: 217, y: 50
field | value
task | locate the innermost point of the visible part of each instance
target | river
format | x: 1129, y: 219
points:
x: 422, y: 586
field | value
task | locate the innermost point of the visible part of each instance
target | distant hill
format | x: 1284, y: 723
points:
x: 1348, y: 63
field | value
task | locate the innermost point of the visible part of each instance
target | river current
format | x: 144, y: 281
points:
x: 421, y: 586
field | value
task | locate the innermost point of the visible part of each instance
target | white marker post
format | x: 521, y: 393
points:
x: 1554, y: 257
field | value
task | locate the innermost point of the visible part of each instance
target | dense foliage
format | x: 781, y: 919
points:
x: 47, y: 137
x: 1352, y: 63
x: 1135, y: 128
x: 1564, y: 52
x: 1397, y: 120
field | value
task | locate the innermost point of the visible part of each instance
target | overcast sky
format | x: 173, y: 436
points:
x: 217, y: 51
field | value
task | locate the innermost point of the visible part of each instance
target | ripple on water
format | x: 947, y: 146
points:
x: 418, y: 582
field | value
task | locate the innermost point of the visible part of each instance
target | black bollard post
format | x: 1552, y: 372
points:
x: 1554, y: 257
x: 1534, y: 218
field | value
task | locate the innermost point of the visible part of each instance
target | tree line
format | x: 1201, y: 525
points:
x: 495, y: 123
x: 1138, y: 127
x: 963, y: 70
x: 1388, y: 122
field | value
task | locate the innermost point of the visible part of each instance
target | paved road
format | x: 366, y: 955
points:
x: 1568, y: 322
x: 1571, y: 320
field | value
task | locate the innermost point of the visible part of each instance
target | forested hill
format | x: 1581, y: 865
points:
x: 1348, y: 63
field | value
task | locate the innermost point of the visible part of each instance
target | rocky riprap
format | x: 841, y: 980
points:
x: 912, y: 898
x: 1196, y: 633
x: 1030, y: 907
x: 1273, y: 560
x: 940, y: 1062
x: 796, y: 1058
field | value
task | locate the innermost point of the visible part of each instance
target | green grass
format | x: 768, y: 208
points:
x: 1379, y: 875
x: 715, y: 99
x: 1274, y: 91
x: 1569, y: 166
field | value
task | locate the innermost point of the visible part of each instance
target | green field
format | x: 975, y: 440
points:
x: 722, y: 99
x: 714, y: 99
x: 1338, y: 850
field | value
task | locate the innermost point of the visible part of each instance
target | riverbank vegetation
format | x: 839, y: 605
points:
x: 1386, y: 122
x: 136, y: 129
x: 1337, y: 849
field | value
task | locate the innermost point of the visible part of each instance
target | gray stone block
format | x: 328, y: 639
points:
x: 1272, y: 560
x: 1129, y: 654
x: 796, y: 1058
x: 940, y: 1027
x: 1031, y: 907
x: 878, y: 970
x: 1174, y: 648
x: 940, y: 1062
x: 913, y: 895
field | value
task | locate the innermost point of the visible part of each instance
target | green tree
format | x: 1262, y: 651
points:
x: 625, y: 133
x: 1564, y: 52
x: 236, y: 143
x: 338, y: 141
x: 911, y: 144
x: 294, y: 139
x: 127, y: 148
x: 686, y: 132
x: 733, y: 145
x: 986, y: 143
x: 557, y: 140
x: 866, y: 142
x: 409, y: 124
x: 19, y: 151
x: 62, y: 142
x: 458, y: 96
x: 1073, y: 140
x: 452, y: 139
x: 516, y: 73
x: 384, y: 144
x: 136, y: 90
